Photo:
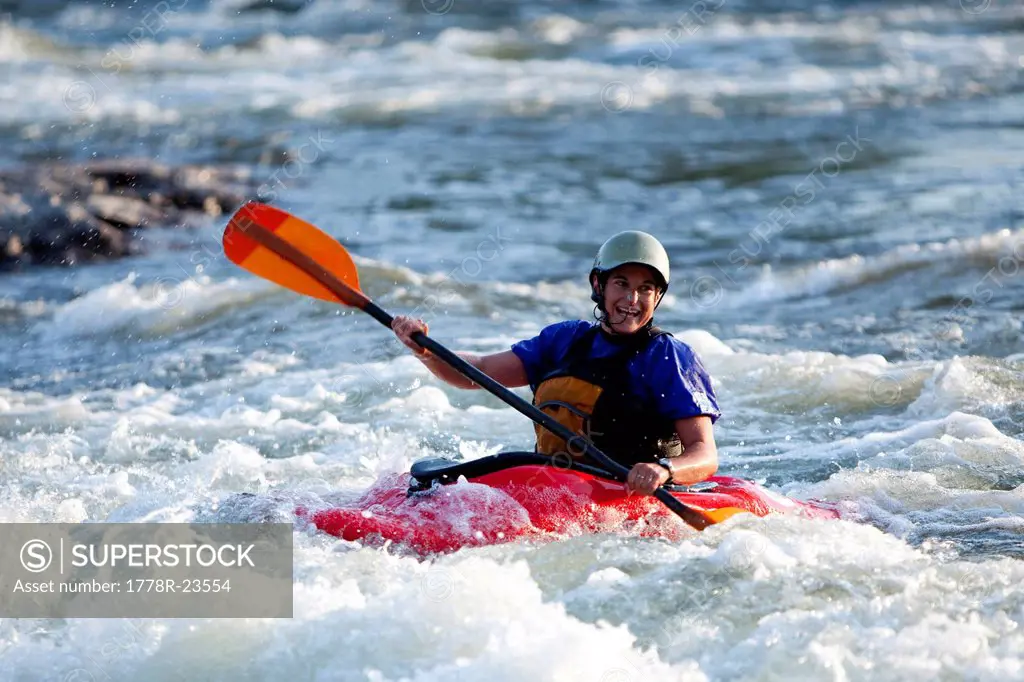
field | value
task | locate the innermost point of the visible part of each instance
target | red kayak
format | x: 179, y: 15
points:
x: 510, y: 496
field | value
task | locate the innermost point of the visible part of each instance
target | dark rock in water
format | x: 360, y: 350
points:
x: 67, y: 214
x: 281, y: 6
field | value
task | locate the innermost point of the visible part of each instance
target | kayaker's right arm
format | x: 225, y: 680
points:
x: 506, y: 368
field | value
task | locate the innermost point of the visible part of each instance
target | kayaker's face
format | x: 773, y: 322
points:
x: 630, y: 296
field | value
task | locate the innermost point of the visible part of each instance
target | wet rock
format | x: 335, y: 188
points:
x: 61, y: 214
x: 123, y: 212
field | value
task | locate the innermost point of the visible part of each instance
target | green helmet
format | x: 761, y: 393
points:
x: 633, y: 247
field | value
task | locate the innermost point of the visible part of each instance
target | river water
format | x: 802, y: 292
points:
x: 838, y: 184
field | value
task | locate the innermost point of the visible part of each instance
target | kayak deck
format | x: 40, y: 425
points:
x: 533, y: 501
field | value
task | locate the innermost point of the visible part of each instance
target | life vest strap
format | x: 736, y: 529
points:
x: 569, y: 406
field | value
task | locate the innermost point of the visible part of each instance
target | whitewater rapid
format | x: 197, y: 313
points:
x: 865, y: 342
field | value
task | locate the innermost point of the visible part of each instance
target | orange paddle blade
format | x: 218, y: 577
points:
x: 722, y: 513
x: 242, y: 249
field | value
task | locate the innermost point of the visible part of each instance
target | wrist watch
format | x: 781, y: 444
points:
x: 667, y: 463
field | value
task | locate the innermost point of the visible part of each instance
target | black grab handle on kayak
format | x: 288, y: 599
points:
x: 426, y: 472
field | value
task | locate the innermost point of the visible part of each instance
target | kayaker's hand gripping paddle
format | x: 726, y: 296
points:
x: 288, y: 251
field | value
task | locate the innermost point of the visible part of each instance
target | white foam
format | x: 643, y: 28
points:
x: 829, y: 275
x: 559, y: 29
x: 229, y: 466
x: 19, y: 45
x: 473, y: 620
x: 704, y: 342
x: 778, y: 596
x: 548, y: 292
x: 27, y: 309
x: 427, y: 398
x: 965, y: 384
x: 958, y: 426
x: 152, y: 309
x: 357, y: 76
x: 482, y: 43
x: 833, y: 593
x: 24, y: 411
x: 798, y: 381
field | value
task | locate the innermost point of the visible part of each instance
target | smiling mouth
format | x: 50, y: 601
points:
x: 627, y: 313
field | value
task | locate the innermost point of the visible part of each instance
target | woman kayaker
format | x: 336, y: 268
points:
x: 640, y: 395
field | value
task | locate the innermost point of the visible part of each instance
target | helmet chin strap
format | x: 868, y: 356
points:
x: 600, y: 314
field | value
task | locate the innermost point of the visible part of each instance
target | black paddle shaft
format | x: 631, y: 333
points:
x: 692, y: 517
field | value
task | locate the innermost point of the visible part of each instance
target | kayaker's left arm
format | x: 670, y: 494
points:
x: 698, y: 462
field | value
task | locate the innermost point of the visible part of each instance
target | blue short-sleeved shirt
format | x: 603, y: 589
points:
x: 667, y: 374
